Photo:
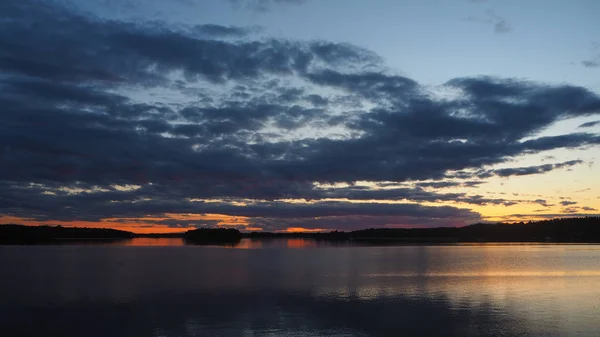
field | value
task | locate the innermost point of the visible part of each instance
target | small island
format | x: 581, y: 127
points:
x: 212, y: 236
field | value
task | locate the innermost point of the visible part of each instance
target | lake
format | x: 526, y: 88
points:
x: 296, y: 287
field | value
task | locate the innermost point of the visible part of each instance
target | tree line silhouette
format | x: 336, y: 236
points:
x: 19, y: 234
x: 576, y: 230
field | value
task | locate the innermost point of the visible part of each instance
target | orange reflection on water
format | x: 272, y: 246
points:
x: 300, y: 243
x: 144, y: 242
x: 248, y: 244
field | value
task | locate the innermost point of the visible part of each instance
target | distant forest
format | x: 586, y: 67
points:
x: 576, y: 230
x: 19, y: 234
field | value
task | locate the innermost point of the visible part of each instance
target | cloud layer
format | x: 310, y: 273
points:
x: 106, y: 119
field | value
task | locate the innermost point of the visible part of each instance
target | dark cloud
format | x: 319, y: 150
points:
x: 224, y: 31
x: 542, y: 202
x: 549, y: 215
x: 369, y: 85
x: 570, y: 210
x: 111, y: 202
x: 446, y: 184
x: 591, y: 63
x: 568, y: 203
x: 317, y: 100
x: 401, y: 193
x: 521, y: 171
x: 326, y: 209
x: 144, y: 54
x: 589, y: 124
x: 81, y: 108
x: 354, y: 222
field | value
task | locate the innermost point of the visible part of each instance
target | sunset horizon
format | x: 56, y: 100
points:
x: 166, y: 118
x: 159, y: 229
x: 364, y: 168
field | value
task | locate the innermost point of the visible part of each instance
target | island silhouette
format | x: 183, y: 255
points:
x: 563, y: 230
x: 212, y: 236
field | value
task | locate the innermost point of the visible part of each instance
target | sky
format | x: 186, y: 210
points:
x: 298, y: 115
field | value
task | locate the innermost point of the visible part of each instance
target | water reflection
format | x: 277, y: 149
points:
x: 300, y: 243
x: 268, y: 313
x: 144, y: 242
x: 344, y: 291
x: 245, y: 243
x: 258, y: 243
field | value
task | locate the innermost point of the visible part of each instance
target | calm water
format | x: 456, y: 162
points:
x: 273, y: 289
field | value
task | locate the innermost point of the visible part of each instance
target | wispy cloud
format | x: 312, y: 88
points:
x: 500, y: 24
x: 589, y: 124
x: 591, y: 63
x: 264, y: 5
x: 594, y: 60
x: 212, y: 30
